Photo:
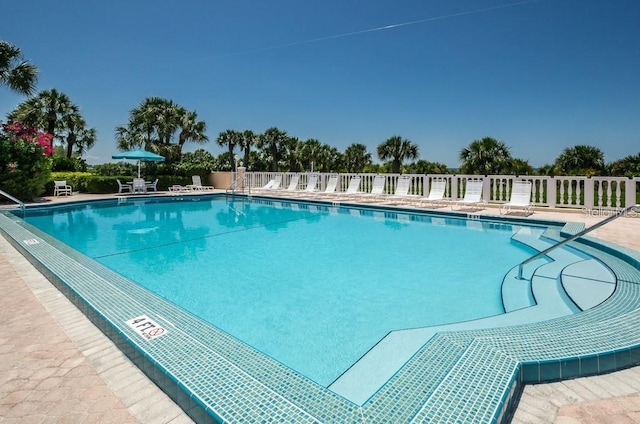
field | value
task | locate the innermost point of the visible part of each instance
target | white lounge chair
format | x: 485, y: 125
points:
x: 376, y: 193
x: 61, y: 188
x: 124, y: 188
x: 436, y: 194
x: 272, y: 184
x: 401, y: 194
x: 472, y: 196
x: 197, y: 184
x: 177, y: 188
x: 353, y: 189
x: 330, y: 189
x: 520, y: 198
x: 312, y: 181
x: 268, y: 185
x: 292, y: 187
x: 139, y: 186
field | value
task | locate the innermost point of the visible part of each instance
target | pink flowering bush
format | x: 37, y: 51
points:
x: 25, y: 164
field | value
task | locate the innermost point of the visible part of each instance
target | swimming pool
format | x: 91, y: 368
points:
x: 314, y: 287
x: 466, y: 373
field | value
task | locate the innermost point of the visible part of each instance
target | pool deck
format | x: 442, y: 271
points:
x: 55, y: 366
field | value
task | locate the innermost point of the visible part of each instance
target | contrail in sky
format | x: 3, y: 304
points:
x: 382, y: 28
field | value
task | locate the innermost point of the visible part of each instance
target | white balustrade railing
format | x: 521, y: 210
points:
x: 576, y: 192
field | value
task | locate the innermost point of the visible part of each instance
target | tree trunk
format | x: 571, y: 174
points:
x: 247, y: 153
x: 51, y: 125
x: 274, y: 155
x: 71, y: 140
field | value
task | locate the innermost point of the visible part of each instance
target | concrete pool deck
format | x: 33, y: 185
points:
x: 28, y: 306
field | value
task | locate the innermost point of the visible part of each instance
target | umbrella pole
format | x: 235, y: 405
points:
x: 138, y: 168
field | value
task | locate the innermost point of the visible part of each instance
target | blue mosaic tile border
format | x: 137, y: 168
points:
x: 464, y: 376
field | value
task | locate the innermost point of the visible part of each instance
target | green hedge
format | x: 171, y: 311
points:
x: 85, y: 182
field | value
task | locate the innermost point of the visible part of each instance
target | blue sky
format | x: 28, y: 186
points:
x: 539, y: 75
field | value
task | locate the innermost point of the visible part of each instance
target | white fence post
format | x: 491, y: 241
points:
x: 588, y: 193
x: 454, y: 188
x: 551, y: 192
x: 630, y: 192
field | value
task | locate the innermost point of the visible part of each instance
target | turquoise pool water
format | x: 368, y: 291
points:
x: 314, y: 287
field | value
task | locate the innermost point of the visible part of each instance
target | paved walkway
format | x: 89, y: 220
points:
x: 56, y: 367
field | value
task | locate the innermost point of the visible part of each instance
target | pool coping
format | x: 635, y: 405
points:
x: 510, y: 374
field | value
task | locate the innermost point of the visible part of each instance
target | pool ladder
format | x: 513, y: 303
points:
x: 233, y: 188
x: 573, y: 237
x: 13, y: 199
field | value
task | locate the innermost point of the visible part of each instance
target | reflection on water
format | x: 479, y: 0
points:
x: 271, y: 215
x: 75, y: 223
x: 150, y: 227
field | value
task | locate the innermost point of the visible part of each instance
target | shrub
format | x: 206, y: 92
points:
x: 116, y: 169
x: 25, y: 166
x: 77, y: 180
x: 63, y: 163
x: 99, y: 184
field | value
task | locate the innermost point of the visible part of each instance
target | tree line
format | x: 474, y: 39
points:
x: 164, y: 127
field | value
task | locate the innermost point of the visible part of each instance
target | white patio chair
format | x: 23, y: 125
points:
x: 61, y: 188
x: 520, y: 198
x: 272, y: 184
x: 376, y: 193
x: 436, y: 194
x: 472, y: 196
x: 330, y: 189
x: 353, y: 189
x: 124, y: 188
x: 152, y: 186
x: 312, y: 181
x: 283, y: 191
x: 401, y: 194
x: 139, y: 186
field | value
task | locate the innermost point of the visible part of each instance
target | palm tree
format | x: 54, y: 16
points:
x: 15, y: 72
x: 247, y: 140
x: 547, y: 169
x: 629, y: 166
x: 77, y: 135
x: 520, y: 167
x: 231, y: 139
x: 426, y: 167
x: 486, y: 156
x: 356, y: 157
x: 153, y: 124
x: 397, y: 149
x: 272, y: 140
x: 329, y: 158
x: 141, y: 130
x: 190, y: 128
x: 291, y: 153
x: 580, y: 160
x: 47, y: 110
x: 310, y: 154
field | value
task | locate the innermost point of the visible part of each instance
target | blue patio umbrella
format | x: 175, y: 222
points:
x: 139, y: 155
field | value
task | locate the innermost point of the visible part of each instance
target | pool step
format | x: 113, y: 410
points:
x: 430, y: 367
x: 475, y: 388
x: 541, y: 278
x: 588, y: 283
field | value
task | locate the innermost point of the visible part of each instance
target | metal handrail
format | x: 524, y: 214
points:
x: 10, y: 197
x: 234, y: 185
x: 573, y: 237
